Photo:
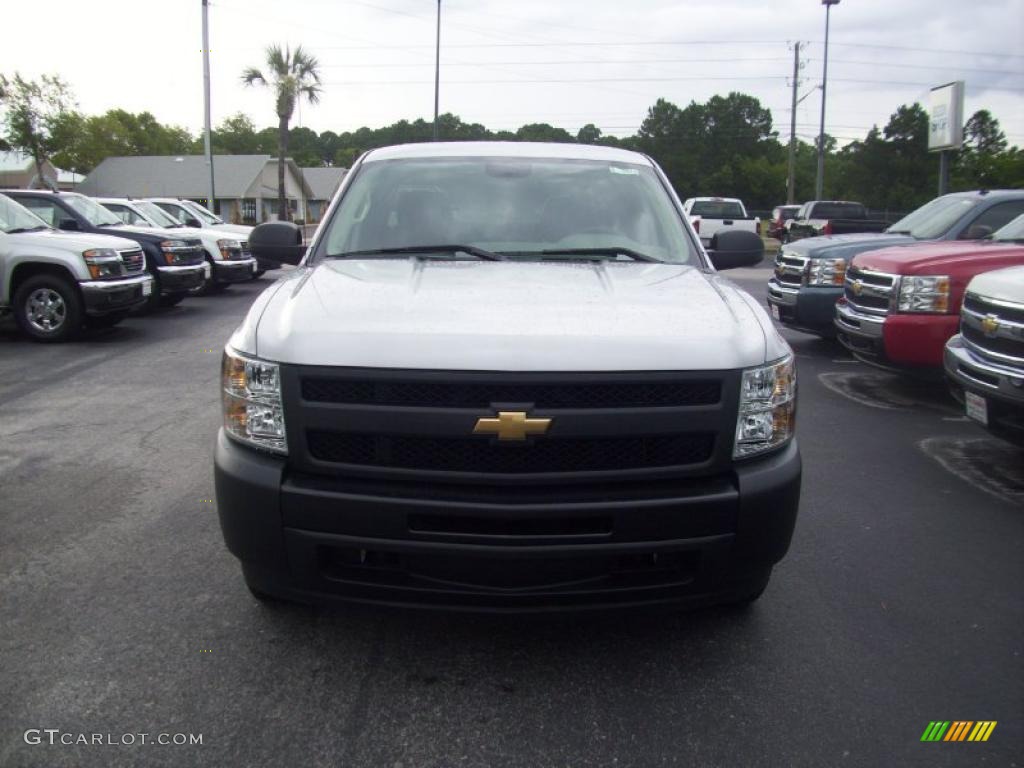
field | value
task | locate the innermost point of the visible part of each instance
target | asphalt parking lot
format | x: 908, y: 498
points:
x: 900, y: 603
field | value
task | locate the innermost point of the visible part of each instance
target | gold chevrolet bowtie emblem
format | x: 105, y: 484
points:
x: 511, y: 425
x: 990, y: 324
x: 858, y: 286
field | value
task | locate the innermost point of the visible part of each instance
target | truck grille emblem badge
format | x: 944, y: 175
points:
x: 858, y: 286
x: 511, y: 425
x: 990, y: 324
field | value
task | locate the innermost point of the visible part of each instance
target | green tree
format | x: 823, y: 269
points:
x: 32, y: 110
x: 292, y: 76
x: 236, y: 135
x: 588, y: 134
x: 543, y: 132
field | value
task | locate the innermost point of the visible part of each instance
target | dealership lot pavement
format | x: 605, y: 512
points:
x: 901, y: 601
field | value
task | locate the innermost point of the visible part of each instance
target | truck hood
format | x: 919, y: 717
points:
x: 1005, y: 284
x: 515, y: 316
x: 70, y: 241
x: 238, y: 229
x: 845, y: 246
x: 939, y: 258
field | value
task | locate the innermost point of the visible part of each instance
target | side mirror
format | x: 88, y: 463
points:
x: 277, y: 241
x: 976, y: 232
x: 736, y: 248
x: 191, y: 222
x: 70, y: 225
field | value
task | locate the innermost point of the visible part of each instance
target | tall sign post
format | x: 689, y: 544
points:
x: 946, y: 125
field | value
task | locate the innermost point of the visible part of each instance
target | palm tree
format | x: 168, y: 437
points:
x: 293, y: 74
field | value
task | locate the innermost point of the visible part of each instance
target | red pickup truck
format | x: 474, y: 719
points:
x: 901, y: 305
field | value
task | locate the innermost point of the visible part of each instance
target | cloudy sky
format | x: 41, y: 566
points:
x: 567, y: 62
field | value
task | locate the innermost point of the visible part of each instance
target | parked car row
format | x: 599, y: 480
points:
x: 897, y: 302
x: 68, y: 261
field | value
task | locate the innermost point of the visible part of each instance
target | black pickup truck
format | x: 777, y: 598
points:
x: 832, y: 217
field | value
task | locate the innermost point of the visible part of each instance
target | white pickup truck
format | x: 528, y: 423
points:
x: 711, y: 215
x: 506, y: 376
x: 55, y: 283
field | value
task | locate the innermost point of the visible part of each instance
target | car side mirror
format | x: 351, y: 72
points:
x: 278, y: 241
x: 190, y: 222
x: 976, y: 232
x: 737, y: 248
x: 70, y: 225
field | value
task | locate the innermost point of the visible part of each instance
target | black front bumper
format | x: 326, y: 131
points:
x: 102, y: 297
x: 317, y: 538
x: 175, y: 280
x: 235, y: 271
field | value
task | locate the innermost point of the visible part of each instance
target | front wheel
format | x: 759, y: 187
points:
x: 48, y: 308
x: 170, y: 299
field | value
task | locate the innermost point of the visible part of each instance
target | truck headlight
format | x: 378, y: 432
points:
x: 176, y: 251
x: 826, y: 271
x: 251, y: 401
x: 924, y: 294
x: 767, y: 414
x: 229, y: 249
x: 102, y: 262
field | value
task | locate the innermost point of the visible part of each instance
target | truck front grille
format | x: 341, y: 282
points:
x: 475, y: 455
x: 790, y: 268
x: 868, y: 291
x: 453, y: 394
x: 133, y: 260
x: 420, y: 424
x: 994, y: 329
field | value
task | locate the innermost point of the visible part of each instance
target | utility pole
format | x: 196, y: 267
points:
x: 819, y: 184
x: 207, y: 145
x: 437, y: 68
x: 791, y: 181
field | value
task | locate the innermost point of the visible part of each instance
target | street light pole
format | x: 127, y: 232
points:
x: 207, y: 145
x: 437, y: 67
x: 819, y: 183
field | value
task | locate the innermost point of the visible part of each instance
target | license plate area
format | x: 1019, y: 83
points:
x: 976, y: 407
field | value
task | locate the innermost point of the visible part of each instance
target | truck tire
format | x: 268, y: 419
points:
x: 171, y: 299
x: 253, y: 584
x: 48, y: 308
x: 748, y: 592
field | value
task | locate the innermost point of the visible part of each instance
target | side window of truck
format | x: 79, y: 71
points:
x: 993, y: 218
x: 47, y: 210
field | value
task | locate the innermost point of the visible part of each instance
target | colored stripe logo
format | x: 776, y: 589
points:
x: 958, y: 730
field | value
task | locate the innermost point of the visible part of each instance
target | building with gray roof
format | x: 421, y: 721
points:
x: 245, y: 185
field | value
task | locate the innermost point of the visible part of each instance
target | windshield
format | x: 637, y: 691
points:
x: 92, y: 211
x: 14, y: 217
x: 155, y: 213
x: 1012, y: 231
x: 839, y: 211
x: 202, y: 213
x: 717, y: 209
x: 933, y: 220
x: 507, y: 205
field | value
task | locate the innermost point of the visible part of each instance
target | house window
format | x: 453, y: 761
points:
x: 249, y: 210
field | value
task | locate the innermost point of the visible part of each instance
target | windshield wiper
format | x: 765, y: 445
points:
x: 472, y: 250
x: 18, y: 230
x: 635, y: 255
x: 898, y: 231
